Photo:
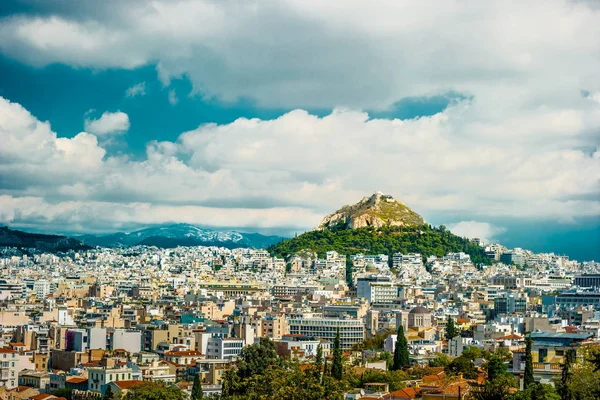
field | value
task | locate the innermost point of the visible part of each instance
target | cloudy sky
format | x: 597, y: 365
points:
x: 264, y: 115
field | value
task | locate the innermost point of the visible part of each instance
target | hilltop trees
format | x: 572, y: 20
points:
x: 424, y: 239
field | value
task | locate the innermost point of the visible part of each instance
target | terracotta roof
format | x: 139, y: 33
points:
x: 406, y: 393
x: 76, y: 379
x: 510, y: 337
x: 6, y: 350
x: 42, y: 396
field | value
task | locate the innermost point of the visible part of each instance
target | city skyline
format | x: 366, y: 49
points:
x: 482, y: 117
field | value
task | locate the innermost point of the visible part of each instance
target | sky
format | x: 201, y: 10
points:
x: 265, y: 116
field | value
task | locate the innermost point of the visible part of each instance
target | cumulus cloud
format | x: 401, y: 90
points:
x: 291, y: 170
x: 328, y: 53
x: 523, y: 142
x: 108, y: 124
x: 475, y: 229
x: 138, y: 89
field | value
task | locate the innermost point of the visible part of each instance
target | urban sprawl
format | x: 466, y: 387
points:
x: 105, y: 319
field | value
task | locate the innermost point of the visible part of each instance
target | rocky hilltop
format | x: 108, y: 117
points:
x: 376, y: 211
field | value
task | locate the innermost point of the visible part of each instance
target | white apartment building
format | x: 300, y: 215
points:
x: 224, y: 348
x: 99, y: 377
x: 351, y: 330
x: 8, y: 371
x: 41, y: 287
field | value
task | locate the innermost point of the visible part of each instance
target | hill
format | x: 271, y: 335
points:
x: 379, y: 224
x: 376, y: 211
x: 181, y: 235
x: 38, y: 241
x: 423, y: 239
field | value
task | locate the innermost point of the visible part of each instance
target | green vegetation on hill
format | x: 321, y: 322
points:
x: 423, y: 239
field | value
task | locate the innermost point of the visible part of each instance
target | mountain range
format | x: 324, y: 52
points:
x: 181, y: 235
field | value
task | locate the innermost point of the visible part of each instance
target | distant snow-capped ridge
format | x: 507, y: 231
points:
x: 181, y: 235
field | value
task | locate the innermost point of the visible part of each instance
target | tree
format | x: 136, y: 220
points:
x: 336, y: 367
x: 497, y: 389
x: 495, y: 368
x: 504, y: 354
x: 451, y: 330
x: 197, y: 388
x: 401, y: 356
x: 595, y: 360
x: 319, y: 361
x: 566, y: 371
x: 440, y: 360
x: 528, y: 374
x: 472, y: 353
x: 154, y: 391
x: 256, y: 358
x: 462, y: 365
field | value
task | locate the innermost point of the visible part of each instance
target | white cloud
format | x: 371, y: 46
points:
x: 173, y: 99
x: 109, y: 123
x: 138, y: 89
x: 291, y: 170
x: 525, y: 146
x: 475, y: 229
x: 331, y: 53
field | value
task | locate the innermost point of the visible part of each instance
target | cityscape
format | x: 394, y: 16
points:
x: 100, y: 320
x: 299, y: 200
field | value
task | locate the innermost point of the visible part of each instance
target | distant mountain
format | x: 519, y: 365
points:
x: 41, y: 242
x: 376, y: 211
x: 181, y: 235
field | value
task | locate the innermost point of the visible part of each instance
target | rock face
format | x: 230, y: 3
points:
x: 376, y: 211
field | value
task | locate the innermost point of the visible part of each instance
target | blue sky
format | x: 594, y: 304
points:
x: 265, y: 117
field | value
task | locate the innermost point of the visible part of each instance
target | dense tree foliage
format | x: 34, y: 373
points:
x: 440, y: 360
x: 462, y: 365
x: 372, y: 343
x: 395, y: 379
x: 264, y: 375
x: 424, y: 239
x: 154, y: 391
x: 253, y: 360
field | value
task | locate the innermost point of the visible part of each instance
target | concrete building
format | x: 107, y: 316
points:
x: 224, y: 348
x: 128, y: 340
x: 8, y: 373
x: 352, y: 331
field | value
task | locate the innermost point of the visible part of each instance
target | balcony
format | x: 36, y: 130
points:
x: 554, y: 368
